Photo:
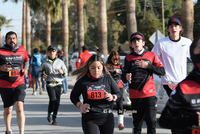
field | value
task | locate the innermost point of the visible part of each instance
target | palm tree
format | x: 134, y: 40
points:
x: 131, y: 17
x: 53, y: 12
x: 102, y: 27
x: 187, y: 20
x: 28, y: 28
x: 65, y: 29
x: 80, y: 25
x: 3, y: 22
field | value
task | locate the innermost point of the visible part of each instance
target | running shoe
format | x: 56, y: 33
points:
x: 8, y: 132
x: 49, y: 117
x: 54, y: 122
x: 34, y: 93
x: 121, y: 126
x: 40, y: 91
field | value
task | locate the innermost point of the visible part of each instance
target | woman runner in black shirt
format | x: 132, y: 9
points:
x: 98, y: 90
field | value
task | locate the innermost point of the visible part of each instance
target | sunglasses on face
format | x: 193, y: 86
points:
x: 52, y: 51
x: 113, y: 59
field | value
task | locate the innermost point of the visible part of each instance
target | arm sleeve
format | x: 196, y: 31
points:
x: 115, y: 89
x: 64, y: 68
x: 76, y: 92
x: 172, y: 117
x: 26, y: 65
x: 157, y: 67
x: 125, y: 70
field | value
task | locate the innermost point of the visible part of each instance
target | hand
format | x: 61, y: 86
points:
x: 141, y: 63
x: 109, y: 96
x: 128, y: 76
x: 25, y: 71
x: 45, y: 76
x: 5, y: 68
x: 60, y: 71
x: 85, y: 108
x: 198, y: 118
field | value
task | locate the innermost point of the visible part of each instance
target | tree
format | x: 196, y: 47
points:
x: 197, y: 19
x: 3, y: 22
x: 188, y: 18
x: 80, y: 25
x: 102, y: 29
x: 131, y: 17
x: 28, y: 28
x: 65, y: 29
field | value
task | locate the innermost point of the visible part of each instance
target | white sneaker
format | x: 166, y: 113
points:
x: 40, y: 91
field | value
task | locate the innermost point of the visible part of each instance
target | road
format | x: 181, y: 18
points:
x: 69, y: 118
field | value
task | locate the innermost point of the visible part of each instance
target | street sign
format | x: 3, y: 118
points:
x: 156, y: 36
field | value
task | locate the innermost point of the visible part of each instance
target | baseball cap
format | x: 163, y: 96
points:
x: 174, y: 20
x: 60, y: 51
x: 85, y: 47
x: 137, y: 35
x: 51, y: 47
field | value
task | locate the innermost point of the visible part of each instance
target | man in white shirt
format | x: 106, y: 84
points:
x: 173, y: 51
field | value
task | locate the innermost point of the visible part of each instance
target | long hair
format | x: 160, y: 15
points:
x: 82, y: 71
x: 109, y: 60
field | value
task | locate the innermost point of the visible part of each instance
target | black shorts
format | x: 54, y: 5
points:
x: 11, y: 95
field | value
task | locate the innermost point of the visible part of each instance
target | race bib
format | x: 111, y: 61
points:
x: 196, y: 130
x: 14, y: 73
x: 96, y: 92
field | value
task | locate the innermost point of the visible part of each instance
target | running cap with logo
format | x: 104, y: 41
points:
x: 174, y: 20
x: 51, y: 47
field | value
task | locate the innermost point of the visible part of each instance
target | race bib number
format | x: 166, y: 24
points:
x: 14, y: 73
x: 196, y: 130
x: 96, y: 92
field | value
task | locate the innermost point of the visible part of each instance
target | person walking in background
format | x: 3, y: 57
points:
x: 173, y: 51
x: 99, y: 52
x: 30, y: 72
x: 53, y: 70
x: 99, y: 90
x: 138, y: 70
x: 182, y: 110
x: 13, y: 66
x: 115, y: 68
x: 83, y: 57
x: 36, y: 61
x: 63, y: 58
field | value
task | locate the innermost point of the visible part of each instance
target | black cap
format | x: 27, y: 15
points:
x: 174, y: 20
x: 51, y: 47
x: 85, y: 47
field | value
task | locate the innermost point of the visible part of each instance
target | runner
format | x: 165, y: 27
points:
x: 13, y: 66
x: 173, y: 51
x: 139, y: 67
x: 98, y: 90
x: 53, y: 70
x: 115, y: 68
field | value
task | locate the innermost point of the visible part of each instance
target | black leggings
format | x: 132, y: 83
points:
x: 103, y: 125
x: 54, y: 99
x: 120, y: 104
x: 144, y: 109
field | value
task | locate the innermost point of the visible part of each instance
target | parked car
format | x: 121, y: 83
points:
x: 74, y: 58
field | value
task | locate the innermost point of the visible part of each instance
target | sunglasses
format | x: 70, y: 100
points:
x: 52, y: 51
x: 113, y: 59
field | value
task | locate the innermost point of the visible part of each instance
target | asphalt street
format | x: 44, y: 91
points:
x: 68, y: 118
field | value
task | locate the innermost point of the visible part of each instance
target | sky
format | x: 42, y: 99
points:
x: 14, y: 11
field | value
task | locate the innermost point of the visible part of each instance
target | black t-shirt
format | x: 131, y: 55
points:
x: 93, y: 92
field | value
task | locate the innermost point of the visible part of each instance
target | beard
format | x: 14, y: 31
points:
x: 11, y: 45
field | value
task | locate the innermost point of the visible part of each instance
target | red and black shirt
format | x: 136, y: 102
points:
x: 17, y: 57
x: 142, y: 83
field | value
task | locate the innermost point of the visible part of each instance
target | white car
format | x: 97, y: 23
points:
x: 74, y: 58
